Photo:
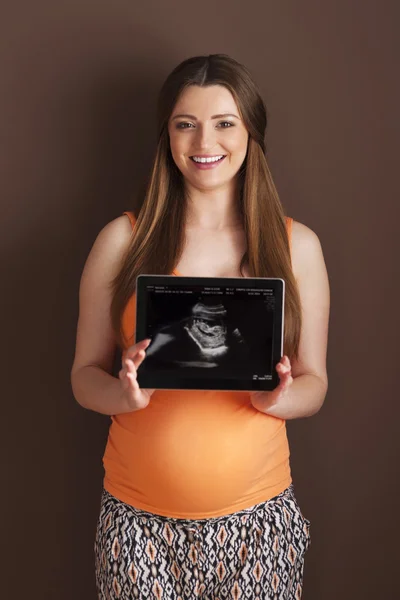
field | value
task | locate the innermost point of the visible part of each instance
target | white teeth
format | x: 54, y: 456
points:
x: 207, y: 160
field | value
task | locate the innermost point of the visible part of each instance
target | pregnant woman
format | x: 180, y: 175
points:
x: 198, y: 498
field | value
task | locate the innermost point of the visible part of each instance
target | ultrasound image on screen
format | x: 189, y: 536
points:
x: 208, y: 333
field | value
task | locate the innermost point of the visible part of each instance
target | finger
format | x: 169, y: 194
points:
x: 122, y: 373
x: 137, y: 359
x: 285, y: 361
x: 142, y: 345
x: 283, y: 369
x: 133, y: 382
x: 140, y: 358
x: 131, y: 375
x: 133, y: 350
x: 285, y: 375
x: 130, y: 367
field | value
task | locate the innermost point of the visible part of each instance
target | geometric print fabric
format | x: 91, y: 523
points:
x: 256, y: 553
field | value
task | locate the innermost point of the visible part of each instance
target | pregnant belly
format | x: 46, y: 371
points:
x: 196, y: 452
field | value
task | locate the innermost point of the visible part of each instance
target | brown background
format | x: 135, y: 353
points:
x: 78, y: 89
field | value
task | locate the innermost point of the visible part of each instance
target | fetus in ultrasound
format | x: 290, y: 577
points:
x: 205, y: 339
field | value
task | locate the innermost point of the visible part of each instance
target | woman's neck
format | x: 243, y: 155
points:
x: 215, y: 210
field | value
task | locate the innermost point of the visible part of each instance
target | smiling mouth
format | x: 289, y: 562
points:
x: 207, y: 162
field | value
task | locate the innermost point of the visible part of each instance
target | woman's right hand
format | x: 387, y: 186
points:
x: 135, y: 398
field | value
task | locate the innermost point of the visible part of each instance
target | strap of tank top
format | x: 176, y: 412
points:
x: 131, y: 217
x: 289, y: 223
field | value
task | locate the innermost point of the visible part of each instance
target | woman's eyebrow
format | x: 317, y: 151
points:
x: 213, y: 117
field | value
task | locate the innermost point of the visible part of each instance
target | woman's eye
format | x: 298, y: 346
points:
x: 185, y: 125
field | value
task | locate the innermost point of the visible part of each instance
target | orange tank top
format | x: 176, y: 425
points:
x: 195, y: 454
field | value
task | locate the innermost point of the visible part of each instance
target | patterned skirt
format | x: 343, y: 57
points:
x: 256, y: 553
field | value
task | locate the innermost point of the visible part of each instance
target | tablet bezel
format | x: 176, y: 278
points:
x: 174, y: 380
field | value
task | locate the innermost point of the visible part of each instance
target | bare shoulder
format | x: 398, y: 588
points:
x: 111, y: 242
x: 108, y: 248
x: 116, y: 232
x: 306, y: 248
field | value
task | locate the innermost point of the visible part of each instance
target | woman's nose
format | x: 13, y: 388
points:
x: 206, y: 136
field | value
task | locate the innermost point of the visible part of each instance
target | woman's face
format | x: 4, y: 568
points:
x: 205, y: 122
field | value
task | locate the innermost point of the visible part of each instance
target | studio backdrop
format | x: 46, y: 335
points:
x: 78, y: 125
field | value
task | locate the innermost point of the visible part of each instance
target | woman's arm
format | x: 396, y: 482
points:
x: 97, y: 390
x: 93, y: 386
x: 304, y: 383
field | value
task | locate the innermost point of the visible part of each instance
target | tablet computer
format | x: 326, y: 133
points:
x: 210, y: 333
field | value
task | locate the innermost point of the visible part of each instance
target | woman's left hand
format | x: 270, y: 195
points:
x: 262, y: 401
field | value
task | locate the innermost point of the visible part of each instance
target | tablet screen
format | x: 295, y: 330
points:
x: 210, y: 333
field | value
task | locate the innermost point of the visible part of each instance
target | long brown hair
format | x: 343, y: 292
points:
x: 159, y: 232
